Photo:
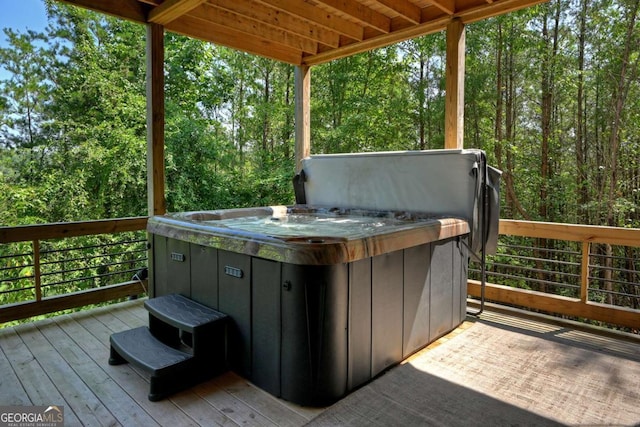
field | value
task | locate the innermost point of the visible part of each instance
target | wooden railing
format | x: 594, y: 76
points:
x: 22, y: 266
x: 578, y: 306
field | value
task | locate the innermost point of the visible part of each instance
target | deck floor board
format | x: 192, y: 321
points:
x: 95, y: 389
x: 55, y: 381
x: 11, y: 390
x: 499, y: 369
x: 64, y: 361
x: 504, y: 370
x: 125, y: 377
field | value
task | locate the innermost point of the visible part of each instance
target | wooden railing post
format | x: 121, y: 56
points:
x: 584, y: 272
x: 36, y: 269
x: 579, y: 306
x: 43, y: 304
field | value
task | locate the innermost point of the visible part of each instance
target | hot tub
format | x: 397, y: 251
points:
x: 322, y: 297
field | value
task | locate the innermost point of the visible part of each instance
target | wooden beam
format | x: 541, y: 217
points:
x: 361, y: 13
x: 447, y: 6
x: 572, y: 232
x: 318, y: 16
x: 404, y: 8
x: 433, y: 19
x: 131, y: 10
x: 302, y: 114
x: 23, y: 310
x: 279, y: 19
x: 454, y: 86
x: 489, y: 10
x: 155, y: 120
x: 254, y: 28
x: 622, y: 316
x: 218, y: 34
x: 25, y: 233
x: 172, y: 9
x: 430, y: 27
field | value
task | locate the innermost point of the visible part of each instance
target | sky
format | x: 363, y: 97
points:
x: 22, y: 14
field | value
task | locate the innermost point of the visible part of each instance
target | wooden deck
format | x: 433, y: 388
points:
x: 63, y: 361
x: 496, y: 370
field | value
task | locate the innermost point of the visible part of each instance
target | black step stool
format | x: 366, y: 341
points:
x: 184, y: 344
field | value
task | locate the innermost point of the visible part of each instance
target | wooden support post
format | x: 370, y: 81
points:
x: 155, y: 119
x: 36, y: 270
x: 302, y: 114
x: 584, y: 272
x: 454, y: 86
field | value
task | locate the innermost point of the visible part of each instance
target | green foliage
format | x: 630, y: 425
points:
x: 73, y: 116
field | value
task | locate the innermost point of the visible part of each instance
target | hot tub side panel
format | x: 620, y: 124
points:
x: 310, y: 334
x: 314, y: 333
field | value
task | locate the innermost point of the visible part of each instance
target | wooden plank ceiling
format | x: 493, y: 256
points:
x: 304, y: 32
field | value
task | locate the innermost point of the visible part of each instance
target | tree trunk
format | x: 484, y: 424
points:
x: 509, y: 94
x: 580, y: 143
x: 289, y: 120
x: 265, y: 107
x: 627, y: 73
x: 497, y: 130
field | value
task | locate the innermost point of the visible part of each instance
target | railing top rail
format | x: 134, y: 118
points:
x: 572, y: 232
x: 26, y: 233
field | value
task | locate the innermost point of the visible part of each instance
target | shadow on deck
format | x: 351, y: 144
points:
x: 496, y: 370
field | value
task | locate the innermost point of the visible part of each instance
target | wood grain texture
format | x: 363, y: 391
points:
x: 496, y: 369
x: 340, y: 27
x: 454, y: 85
x: 63, y: 361
x: 571, y: 232
x: 503, y: 370
x: 70, y: 229
x: 573, y: 307
x: 156, y: 201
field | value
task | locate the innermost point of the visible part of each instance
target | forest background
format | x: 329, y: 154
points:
x: 552, y: 95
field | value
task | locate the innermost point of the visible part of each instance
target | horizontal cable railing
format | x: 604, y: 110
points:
x: 575, y: 271
x: 583, y: 272
x: 54, y: 267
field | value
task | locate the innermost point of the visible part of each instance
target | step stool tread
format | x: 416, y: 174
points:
x: 140, y: 347
x: 182, y: 312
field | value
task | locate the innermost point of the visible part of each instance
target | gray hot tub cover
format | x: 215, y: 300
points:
x: 452, y: 183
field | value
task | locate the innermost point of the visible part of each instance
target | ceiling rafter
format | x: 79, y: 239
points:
x: 404, y: 8
x: 361, y: 13
x: 304, y: 32
x: 279, y: 19
x: 170, y: 10
x: 447, y: 6
x: 254, y: 28
x: 489, y: 10
x: 222, y: 35
x: 407, y: 33
x: 318, y: 16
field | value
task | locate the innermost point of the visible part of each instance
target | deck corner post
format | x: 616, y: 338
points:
x: 302, y: 114
x: 454, y: 86
x: 155, y: 120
